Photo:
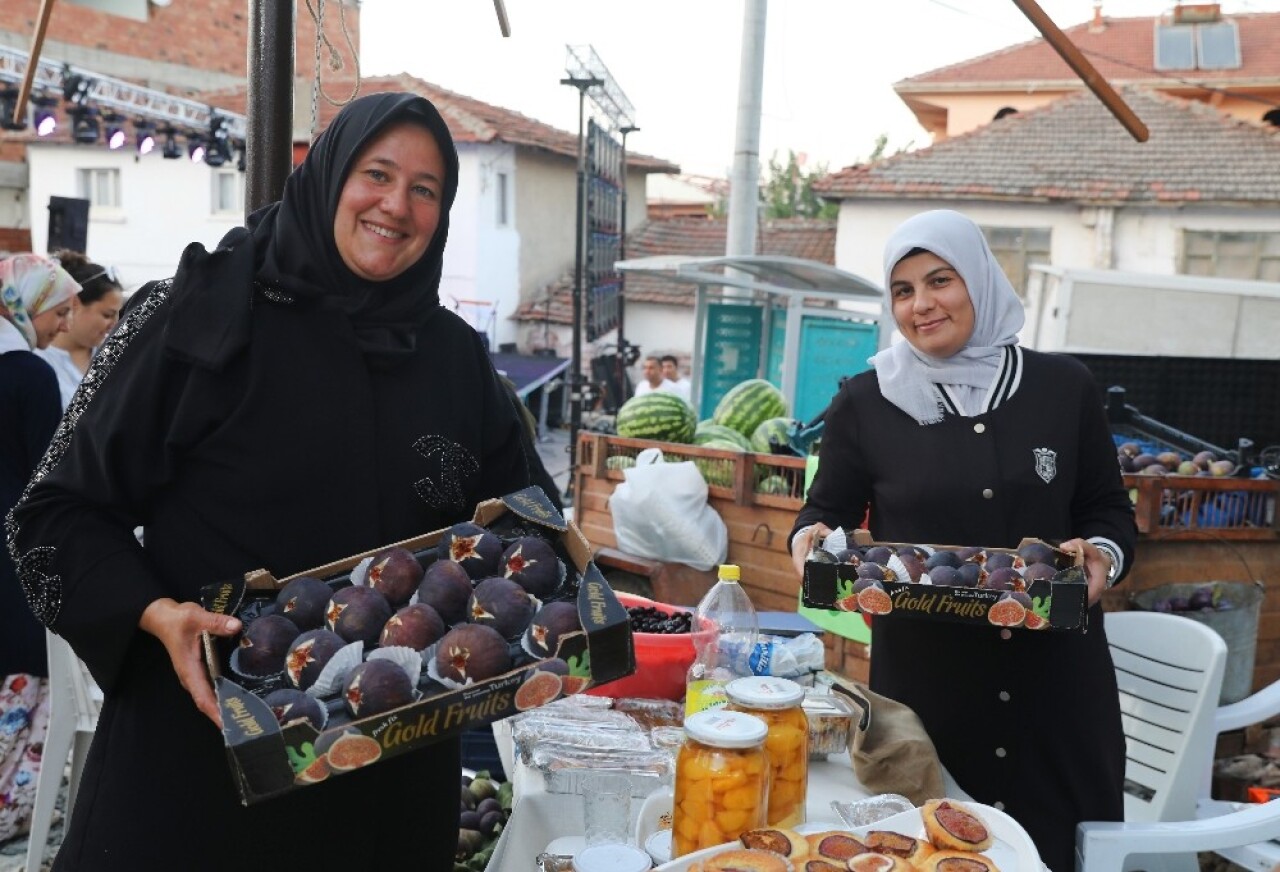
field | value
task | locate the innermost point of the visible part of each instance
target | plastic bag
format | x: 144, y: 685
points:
x: 661, y: 512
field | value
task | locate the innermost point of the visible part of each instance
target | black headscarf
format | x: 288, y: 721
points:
x: 289, y: 246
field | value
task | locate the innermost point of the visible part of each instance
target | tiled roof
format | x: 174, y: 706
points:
x: 807, y: 238
x: 1074, y: 150
x: 1122, y: 51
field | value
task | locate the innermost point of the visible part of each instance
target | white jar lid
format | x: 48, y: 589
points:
x: 722, y: 729
x: 612, y: 857
x: 765, y: 692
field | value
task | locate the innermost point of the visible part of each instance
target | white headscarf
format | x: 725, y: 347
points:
x: 30, y: 285
x: 907, y: 375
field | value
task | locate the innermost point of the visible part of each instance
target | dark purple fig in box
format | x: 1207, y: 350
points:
x: 469, y: 820
x: 1004, y: 578
x: 1002, y: 559
x: 877, y: 554
x: 309, y: 654
x: 417, y: 626
x: 472, y: 652
x: 972, y: 555
x: 850, y: 556
x: 304, y: 601
x: 879, y: 572
x: 358, y: 614
x: 473, y: 548
x: 970, y: 575
x: 913, y: 551
x: 376, y: 686
x: 945, y: 576
x: 288, y: 704
x: 913, y: 564
x: 395, y: 573
x: 446, y: 587
x: 1037, y: 552
x: 532, y: 563
x: 550, y: 623
x: 264, y: 645
x: 1038, y: 571
x: 942, y: 558
x: 502, y: 604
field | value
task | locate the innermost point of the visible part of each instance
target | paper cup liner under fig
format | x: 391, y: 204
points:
x: 403, y: 656
x: 252, y: 681
x: 335, y: 672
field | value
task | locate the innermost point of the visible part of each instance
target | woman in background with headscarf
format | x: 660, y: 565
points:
x: 293, y: 397
x: 94, y: 311
x: 958, y: 436
x: 35, y: 303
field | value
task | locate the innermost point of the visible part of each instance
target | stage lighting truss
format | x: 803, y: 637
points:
x: 43, y: 114
x: 218, y: 150
x: 196, y: 148
x: 116, y: 135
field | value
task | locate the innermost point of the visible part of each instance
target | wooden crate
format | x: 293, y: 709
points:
x: 1195, y: 507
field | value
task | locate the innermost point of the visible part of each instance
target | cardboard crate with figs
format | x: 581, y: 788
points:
x: 355, y: 662
x: 1034, y: 586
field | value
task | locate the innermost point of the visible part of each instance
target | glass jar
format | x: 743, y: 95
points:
x: 722, y: 780
x: 779, y: 703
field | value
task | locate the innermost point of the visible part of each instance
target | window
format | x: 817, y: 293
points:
x: 503, y: 217
x: 101, y: 187
x: 1236, y: 254
x: 228, y: 192
x: 1017, y: 247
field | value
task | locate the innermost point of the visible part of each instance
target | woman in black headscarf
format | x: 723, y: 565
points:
x: 293, y: 397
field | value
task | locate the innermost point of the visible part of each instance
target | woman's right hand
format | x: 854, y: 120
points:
x: 802, y: 544
x: 178, y: 627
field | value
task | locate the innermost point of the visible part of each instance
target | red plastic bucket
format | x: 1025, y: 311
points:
x: 662, y: 659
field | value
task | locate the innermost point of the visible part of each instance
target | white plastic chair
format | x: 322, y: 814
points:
x: 74, y: 701
x: 1170, y: 674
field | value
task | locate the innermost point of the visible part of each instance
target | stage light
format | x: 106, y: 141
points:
x: 10, y: 117
x: 195, y: 147
x: 218, y: 151
x: 171, y: 150
x: 46, y: 120
x: 116, y: 137
x: 75, y: 87
x: 85, y: 126
x: 144, y: 135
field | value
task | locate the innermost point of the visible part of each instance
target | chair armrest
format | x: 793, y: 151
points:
x: 1251, y: 710
x: 1255, y: 823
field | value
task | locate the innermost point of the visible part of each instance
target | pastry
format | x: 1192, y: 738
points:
x: 951, y: 825
x: 834, y: 845
x: 746, y: 860
x: 896, y: 844
x: 878, y: 863
x: 958, y: 861
x: 777, y: 840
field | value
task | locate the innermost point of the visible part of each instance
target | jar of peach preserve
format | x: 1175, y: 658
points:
x: 722, y: 780
x: 778, y: 702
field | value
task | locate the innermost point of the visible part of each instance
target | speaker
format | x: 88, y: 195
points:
x: 68, y: 224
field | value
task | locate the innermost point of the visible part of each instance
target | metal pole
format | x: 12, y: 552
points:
x: 269, y: 134
x: 744, y: 190
x: 620, y: 366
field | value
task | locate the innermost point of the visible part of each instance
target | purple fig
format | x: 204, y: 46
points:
x: 417, y: 626
x: 264, y: 644
x: 472, y: 652
x: 309, y: 654
x: 446, y: 587
x: 532, y: 563
x: 376, y: 686
x: 358, y: 614
x: 502, y: 604
x: 304, y: 601
x: 395, y: 573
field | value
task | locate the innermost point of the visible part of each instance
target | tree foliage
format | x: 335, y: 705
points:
x: 787, y: 191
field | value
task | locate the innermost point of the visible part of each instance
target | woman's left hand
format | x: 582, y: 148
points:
x: 1097, y: 565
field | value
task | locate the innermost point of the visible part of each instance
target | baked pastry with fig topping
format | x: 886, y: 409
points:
x: 878, y: 863
x: 777, y: 840
x: 958, y: 861
x: 953, y: 826
x: 896, y: 844
x: 746, y: 860
x: 834, y: 845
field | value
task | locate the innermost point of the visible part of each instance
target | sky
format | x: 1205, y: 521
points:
x: 829, y: 64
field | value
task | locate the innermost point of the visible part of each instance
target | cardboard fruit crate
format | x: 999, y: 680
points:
x: 1057, y: 603
x: 268, y: 759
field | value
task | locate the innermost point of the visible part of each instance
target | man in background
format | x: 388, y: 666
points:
x: 681, y: 386
x: 652, y: 379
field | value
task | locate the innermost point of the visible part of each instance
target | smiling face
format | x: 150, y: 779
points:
x: 931, y: 304
x: 91, y: 322
x: 50, y: 323
x: 390, y: 204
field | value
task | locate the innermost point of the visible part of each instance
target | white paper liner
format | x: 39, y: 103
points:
x: 403, y: 656
x: 837, y: 540
x: 434, y: 673
x: 336, y: 670
x: 360, y: 572
x: 324, y: 718
x: 898, y: 568
x: 235, y: 667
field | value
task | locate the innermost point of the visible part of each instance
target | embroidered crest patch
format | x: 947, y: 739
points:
x: 1046, y: 463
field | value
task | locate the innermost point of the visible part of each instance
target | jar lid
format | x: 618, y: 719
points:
x: 612, y: 857
x: 723, y: 729
x: 765, y: 692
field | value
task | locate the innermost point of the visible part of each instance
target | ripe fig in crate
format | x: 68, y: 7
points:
x: 942, y: 557
x: 304, y: 601
x: 550, y: 623
x: 877, y: 554
x: 446, y: 587
x: 532, y: 563
x: 376, y: 686
x: 472, y: 652
x: 395, y: 573
x: 417, y: 626
x: 309, y: 654
x: 1004, y: 578
x: 1037, y: 571
x: 358, y: 614
x: 945, y: 576
x: 264, y: 644
x: 288, y: 704
x: 970, y: 575
x: 473, y: 547
x: 1002, y: 559
x: 502, y: 604
x: 1037, y: 552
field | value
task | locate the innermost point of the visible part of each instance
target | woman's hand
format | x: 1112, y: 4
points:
x: 178, y: 627
x: 802, y: 544
x: 1097, y: 565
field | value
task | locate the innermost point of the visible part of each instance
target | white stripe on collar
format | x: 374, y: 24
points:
x: 1007, y: 379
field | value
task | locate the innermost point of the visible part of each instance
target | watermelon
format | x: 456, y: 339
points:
x: 773, y: 484
x: 748, y: 404
x: 715, y: 470
x: 711, y: 431
x: 659, y: 416
x: 770, y: 432
x: 620, y: 461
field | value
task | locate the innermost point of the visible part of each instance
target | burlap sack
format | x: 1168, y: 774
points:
x: 890, y: 749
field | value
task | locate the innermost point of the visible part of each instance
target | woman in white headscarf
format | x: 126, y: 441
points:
x: 959, y: 436
x: 35, y: 301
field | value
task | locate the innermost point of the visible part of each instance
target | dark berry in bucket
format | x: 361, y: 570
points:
x: 648, y: 619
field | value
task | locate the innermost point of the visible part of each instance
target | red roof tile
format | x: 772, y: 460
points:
x: 807, y: 238
x: 1074, y: 150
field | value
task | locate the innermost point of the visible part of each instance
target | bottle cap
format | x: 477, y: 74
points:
x: 729, y: 572
x: 722, y: 729
x: 765, y: 692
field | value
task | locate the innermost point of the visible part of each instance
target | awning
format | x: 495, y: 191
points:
x: 528, y: 371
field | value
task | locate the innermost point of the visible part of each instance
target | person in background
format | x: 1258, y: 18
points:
x: 652, y: 378
x: 681, y: 386
x: 295, y: 396
x: 958, y: 436
x: 94, y: 311
x: 35, y: 304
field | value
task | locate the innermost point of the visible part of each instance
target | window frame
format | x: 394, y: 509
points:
x: 1263, y: 253
x: 1027, y: 252
x: 88, y: 184
x: 215, y: 175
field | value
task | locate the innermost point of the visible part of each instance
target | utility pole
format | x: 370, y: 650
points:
x: 744, y: 187
x: 269, y: 139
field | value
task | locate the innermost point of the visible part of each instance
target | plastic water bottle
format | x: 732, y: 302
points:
x: 725, y: 631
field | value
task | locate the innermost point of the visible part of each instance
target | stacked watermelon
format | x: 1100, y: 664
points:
x: 711, y: 434
x: 774, y: 431
x: 658, y: 416
x: 749, y: 404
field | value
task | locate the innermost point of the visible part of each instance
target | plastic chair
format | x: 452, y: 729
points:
x: 74, y: 701
x: 1170, y: 674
